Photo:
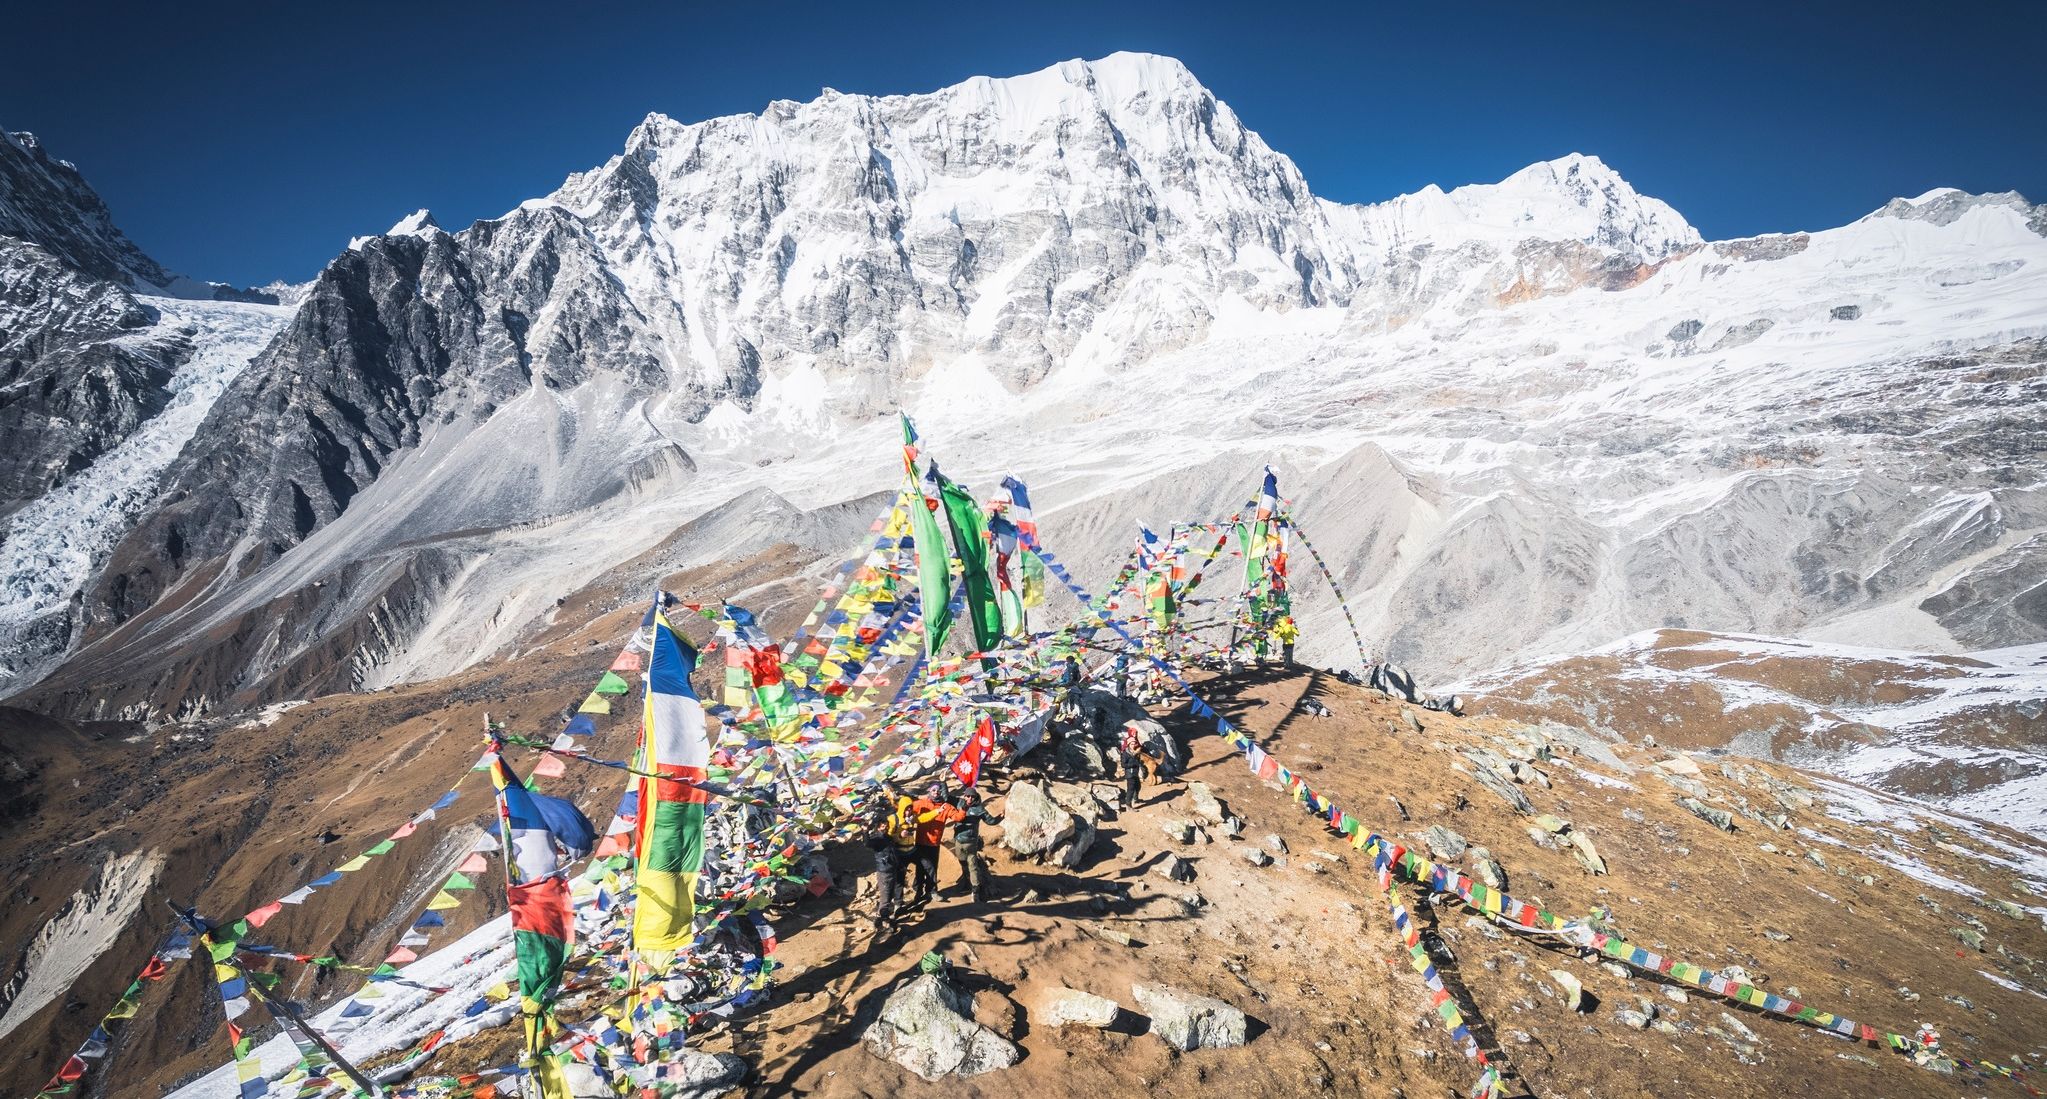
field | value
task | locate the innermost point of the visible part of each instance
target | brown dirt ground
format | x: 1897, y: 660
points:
x: 1311, y: 957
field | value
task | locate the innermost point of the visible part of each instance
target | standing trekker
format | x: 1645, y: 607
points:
x: 1287, y: 633
x: 928, y: 830
x: 1130, y: 756
x: 891, y: 842
x: 966, y: 815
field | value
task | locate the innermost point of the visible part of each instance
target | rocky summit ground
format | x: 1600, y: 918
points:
x: 1859, y: 902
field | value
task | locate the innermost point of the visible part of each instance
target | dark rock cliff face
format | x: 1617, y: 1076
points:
x: 79, y: 370
x: 46, y: 201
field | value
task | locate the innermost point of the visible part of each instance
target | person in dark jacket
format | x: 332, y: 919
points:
x: 966, y: 815
x: 891, y: 841
x: 1130, y: 757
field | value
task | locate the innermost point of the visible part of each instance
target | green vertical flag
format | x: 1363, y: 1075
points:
x: 934, y: 572
x: 970, y: 542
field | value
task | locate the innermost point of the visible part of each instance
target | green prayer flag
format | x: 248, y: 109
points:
x: 970, y: 543
x: 934, y: 573
x: 612, y: 684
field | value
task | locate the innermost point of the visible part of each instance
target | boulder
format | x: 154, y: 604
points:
x: 927, y: 1026
x: 1444, y: 845
x: 1054, y: 823
x: 1082, y: 756
x: 1188, y: 1022
x: 1490, y: 777
x: 1718, y: 818
x: 1071, y: 1007
x: 1205, y: 804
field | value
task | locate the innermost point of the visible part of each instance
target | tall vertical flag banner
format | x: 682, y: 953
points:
x: 669, y: 837
x: 934, y: 569
x: 543, y: 915
x: 969, y: 541
x: 1258, y: 543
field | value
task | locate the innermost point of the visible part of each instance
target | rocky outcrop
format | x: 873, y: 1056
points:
x: 75, y: 379
x: 927, y: 1026
x: 46, y: 201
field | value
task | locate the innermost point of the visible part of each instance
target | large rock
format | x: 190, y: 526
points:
x: 1055, y: 823
x: 1072, y: 1007
x: 1189, y: 1022
x: 1205, y: 804
x: 927, y: 1026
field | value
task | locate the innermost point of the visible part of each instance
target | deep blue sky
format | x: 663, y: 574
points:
x: 249, y: 142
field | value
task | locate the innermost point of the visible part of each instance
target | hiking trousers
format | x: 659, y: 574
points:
x: 975, y: 866
x: 923, y: 873
x: 888, y: 887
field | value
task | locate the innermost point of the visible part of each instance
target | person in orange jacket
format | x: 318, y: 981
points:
x: 929, y: 812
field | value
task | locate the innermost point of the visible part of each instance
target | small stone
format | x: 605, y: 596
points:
x: 1574, y: 992
x: 1490, y: 874
x: 1739, y: 1027
x: 1254, y: 856
x: 1179, y: 831
x: 1630, y: 1017
x: 1617, y: 969
x: 1110, y: 934
x: 1444, y: 845
x: 1551, y: 823
x: 1817, y: 859
x: 1675, y: 995
x: 1664, y: 1026
x: 1408, y: 716
x: 1276, y: 844
x: 1586, y: 854
x: 1072, y: 1007
x: 1907, y: 995
x: 1776, y: 936
x: 1174, y: 868
x: 1968, y: 937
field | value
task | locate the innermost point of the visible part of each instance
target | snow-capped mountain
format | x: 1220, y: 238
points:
x: 1519, y: 418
